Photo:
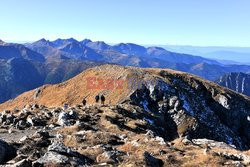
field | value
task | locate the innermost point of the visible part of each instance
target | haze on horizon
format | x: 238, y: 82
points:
x: 159, y: 22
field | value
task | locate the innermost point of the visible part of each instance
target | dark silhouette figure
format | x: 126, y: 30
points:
x: 97, y: 98
x: 84, y: 102
x: 102, y: 99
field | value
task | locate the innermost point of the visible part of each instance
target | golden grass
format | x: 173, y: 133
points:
x: 75, y: 89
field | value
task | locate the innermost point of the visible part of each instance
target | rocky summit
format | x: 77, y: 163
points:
x: 150, y: 117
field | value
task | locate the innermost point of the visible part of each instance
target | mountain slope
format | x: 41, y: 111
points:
x: 130, y: 49
x: 239, y: 82
x: 17, y: 76
x: 9, y: 51
x: 163, y: 54
x: 77, y: 51
x: 23, y: 69
x: 189, y: 105
x: 20, y: 75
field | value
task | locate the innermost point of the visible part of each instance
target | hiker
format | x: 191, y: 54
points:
x: 97, y: 98
x: 66, y: 106
x: 102, y: 99
x: 84, y: 102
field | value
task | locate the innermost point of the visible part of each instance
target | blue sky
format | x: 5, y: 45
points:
x: 183, y: 22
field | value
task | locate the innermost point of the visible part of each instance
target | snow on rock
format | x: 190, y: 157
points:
x: 224, y: 101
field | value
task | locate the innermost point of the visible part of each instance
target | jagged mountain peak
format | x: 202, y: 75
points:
x: 85, y: 41
x: 42, y: 42
x: 98, y: 45
x: 59, y: 42
x: 11, y: 50
x: 130, y: 48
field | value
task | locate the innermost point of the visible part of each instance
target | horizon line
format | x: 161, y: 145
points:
x: 114, y: 43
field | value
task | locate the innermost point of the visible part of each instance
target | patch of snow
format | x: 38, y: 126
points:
x: 237, y: 83
x: 243, y: 85
x: 135, y: 143
x: 151, y: 88
x: 151, y: 122
x: 223, y: 101
x: 156, y: 84
x: 29, y: 120
x: 229, y: 140
x: 160, y: 140
x: 186, y: 106
x: 145, y: 105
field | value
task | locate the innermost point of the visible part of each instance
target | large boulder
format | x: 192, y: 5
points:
x: 59, y: 154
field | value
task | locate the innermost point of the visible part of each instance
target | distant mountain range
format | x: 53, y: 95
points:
x: 25, y: 67
x: 129, y: 54
x: 239, y: 82
x: 86, y: 49
x: 9, y: 51
x: 236, y: 55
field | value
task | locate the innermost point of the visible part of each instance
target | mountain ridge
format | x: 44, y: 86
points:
x: 206, y: 102
x: 75, y: 55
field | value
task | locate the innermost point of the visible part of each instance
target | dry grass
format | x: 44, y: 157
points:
x: 69, y: 130
x: 75, y: 89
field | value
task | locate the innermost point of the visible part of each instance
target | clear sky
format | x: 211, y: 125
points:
x: 183, y: 22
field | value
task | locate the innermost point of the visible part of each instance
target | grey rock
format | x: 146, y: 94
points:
x: 235, y: 157
x: 52, y: 158
x: 41, y: 134
x: 172, y: 101
x: 60, y: 148
x: 212, y: 143
x: 21, y: 125
x: 64, y: 119
x: 35, y: 121
x: 22, y: 163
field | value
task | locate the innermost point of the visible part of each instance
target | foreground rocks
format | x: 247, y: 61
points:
x: 123, y: 134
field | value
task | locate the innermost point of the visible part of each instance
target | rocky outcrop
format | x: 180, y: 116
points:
x: 193, y: 108
x: 59, y: 154
x: 239, y: 82
x: 124, y: 134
